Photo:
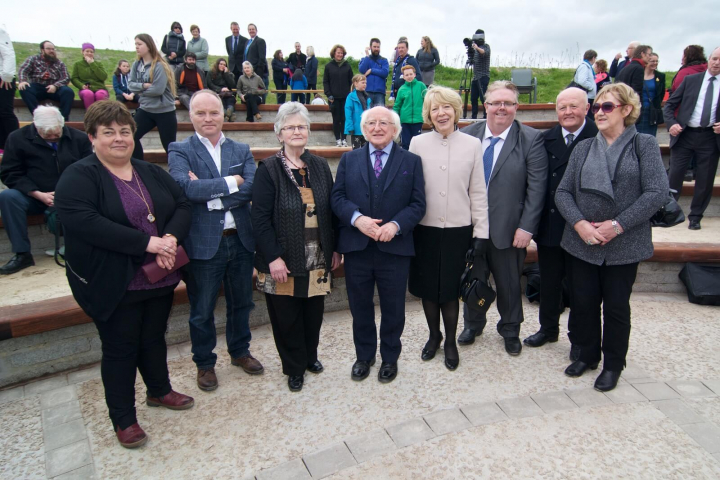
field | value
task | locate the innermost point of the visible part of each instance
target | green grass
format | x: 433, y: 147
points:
x: 550, y: 80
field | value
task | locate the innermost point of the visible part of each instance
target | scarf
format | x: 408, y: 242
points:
x: 597, y: 173
x: 363, y: 97
x: 640, y: 61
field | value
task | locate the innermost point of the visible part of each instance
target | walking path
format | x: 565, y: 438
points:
x: 495, y: 417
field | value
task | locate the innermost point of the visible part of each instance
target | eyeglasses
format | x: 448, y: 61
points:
x: 292, y: 128
x: 607, y: 107
x: 375, y: 123
x: 501, y: 104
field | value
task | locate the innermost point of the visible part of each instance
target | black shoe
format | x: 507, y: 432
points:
x: 315, y: 367
x: 451, y: 364
x: 18, y: 262
x: 360, y: 370
x: 607, y: 380
x: 388, y: 372
x: 467, y: 337
x: 577, y: 368
x: 689, y: 176
x: 513, y: 345
x: 295, y: 382
x: 574, y: 353
x: 539, y: 339
x: 429, y: 353
x: 694, y: 225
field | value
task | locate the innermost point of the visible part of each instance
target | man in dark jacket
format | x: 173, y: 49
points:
x: 235, y: 46
x: 401, y: 60
x: 571, y: 107
x: 189, y: 79
x: 256, y: 53
x: 34, y: 158
x: 633, y: 74
x: 616, y: 67
x: 297, y: 59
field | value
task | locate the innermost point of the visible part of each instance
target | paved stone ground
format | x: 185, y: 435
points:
x: 495, y: 417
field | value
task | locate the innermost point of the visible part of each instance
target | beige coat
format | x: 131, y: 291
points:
x: 454, y: 181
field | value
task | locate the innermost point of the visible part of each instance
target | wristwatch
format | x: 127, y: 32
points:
x: 616, y: 227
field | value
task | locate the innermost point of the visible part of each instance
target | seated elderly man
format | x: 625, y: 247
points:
x: 34, y: 158
x: 189, y: 78
x: 43, y: 77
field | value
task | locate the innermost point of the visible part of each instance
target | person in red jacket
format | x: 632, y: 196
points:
x: 693, y: 61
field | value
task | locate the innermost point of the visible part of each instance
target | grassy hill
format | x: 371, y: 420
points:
x: 550, y: 80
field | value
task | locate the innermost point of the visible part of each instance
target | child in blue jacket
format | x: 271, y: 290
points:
x: 357, y: 102
x: 298, y: 82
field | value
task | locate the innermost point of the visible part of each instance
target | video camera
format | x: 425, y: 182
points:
x: 478, y: 39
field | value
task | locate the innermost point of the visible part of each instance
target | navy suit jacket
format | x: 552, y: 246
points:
x: 208, y: 225
x: 403, y: 199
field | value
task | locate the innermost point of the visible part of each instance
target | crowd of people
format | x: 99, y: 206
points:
x: 405, y: 211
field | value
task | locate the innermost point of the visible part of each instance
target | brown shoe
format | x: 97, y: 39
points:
x: 249, y: 364
x: 258, y: 117
x: 206, y: 379
x: 131, y: 437
x: 173, y: 401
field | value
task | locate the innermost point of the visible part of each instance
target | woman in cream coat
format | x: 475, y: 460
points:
x: 456, y: 214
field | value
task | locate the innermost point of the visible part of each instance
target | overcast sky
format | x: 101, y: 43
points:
x: 528, y: 33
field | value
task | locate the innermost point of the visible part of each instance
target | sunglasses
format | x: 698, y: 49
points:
x: 607, y: 107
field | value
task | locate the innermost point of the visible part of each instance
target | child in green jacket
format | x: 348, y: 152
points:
x: 408, y: 105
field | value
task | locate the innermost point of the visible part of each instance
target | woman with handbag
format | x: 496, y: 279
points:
x: 120, y: 214
x: 456, y: 213
x: 613, y: 185
x: 652, y: 96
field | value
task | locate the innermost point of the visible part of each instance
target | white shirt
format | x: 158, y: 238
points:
x: 694, y: 121
x: 7, y: 57
x: 498, y: 145
x: 575, y: 133
x: 216, y: 154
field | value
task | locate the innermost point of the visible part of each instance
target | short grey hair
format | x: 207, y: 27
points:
x: 48, y: 118
x: 250, y: 64
x: 205, y: 92
x: 288, y: 109
x: 574, y: 90
x: 394, y: 116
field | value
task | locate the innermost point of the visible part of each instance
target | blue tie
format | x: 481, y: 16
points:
x: 235, y: 39
x: 247, y: 46
x: 488, y: 159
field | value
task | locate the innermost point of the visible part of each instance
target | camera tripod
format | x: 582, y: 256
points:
x: 463, y: 89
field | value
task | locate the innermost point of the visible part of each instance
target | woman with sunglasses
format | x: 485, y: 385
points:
x: 612, y: 186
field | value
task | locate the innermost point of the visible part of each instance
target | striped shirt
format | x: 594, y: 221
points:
x: 36, y: 69
x: 481, y: 63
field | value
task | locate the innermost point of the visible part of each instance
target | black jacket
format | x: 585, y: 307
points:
x: 278, y: 68
x: 237, y: 59
x: 256, y: 55
x: 656, y: 113
x: 632, y: 75
x: 173, y: 43
x: 102, y: 250
x: 29, y: 163
x: 223, y: 79
x: 337, y: 79
x: 552, y: 224
x: 296, y: 61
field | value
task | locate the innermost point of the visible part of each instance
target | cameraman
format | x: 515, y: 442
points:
x: 481, y: 71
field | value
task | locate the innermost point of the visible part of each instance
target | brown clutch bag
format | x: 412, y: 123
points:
x: 154, y: 273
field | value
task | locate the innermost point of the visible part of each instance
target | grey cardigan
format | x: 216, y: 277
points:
x: 637, y: 198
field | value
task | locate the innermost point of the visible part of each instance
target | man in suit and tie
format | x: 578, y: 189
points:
x: 217, y: 175
x: 235, y: 46
x: 571, y: 107
x: 255, y: 53
x: 691, y: 115
x: 379, y: 197
x: 516, y: 166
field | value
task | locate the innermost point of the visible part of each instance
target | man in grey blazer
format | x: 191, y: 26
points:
x: 217, y: 175
x: 516, y: 166
x: 692, y: 116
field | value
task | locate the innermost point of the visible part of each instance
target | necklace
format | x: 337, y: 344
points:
x: 141, y: 195
x: 301, y: 170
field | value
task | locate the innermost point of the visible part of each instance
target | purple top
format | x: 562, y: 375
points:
x: 137, y: 213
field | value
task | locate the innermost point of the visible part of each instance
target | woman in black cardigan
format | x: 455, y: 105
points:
x: 119, y: 214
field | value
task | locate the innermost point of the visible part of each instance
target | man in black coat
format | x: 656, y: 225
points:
x: 571, y: 107
x: 34, y: 158
x: 256, y: 53
x: 615, y: 67
x: 235, y: 46
x: 633, y: 73
x: 692, y: 115
x: 297, y: 59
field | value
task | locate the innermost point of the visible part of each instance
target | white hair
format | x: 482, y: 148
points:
x: 48, y: 118
x: 393, y: 115
x: 288, y: 109
x: 250, y: 64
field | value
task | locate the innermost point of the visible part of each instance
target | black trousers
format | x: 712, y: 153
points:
x: 280, y: 85
x: 553, y: 262
x: 310, y: 96
x: 296, y: 326
x: 337, y: 109
x: 133, y: 338
x: 253, y: 106
x: 8, y: 120
x: 703, y: 146
x: 594, y: 286
x: 166, y: 124
x: 506, y: 266
x: 477, y: 91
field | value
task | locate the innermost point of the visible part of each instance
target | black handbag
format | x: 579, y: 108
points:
x: 702, y: 281
x: 574, y: 84
x: 474, y: 292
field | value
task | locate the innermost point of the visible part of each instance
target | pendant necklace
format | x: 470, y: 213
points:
x: 301, y: 171
x: 141, y: 195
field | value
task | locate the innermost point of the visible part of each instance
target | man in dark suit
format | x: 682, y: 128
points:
x: 516, y: 173
x: 379, y: 197
x: 691, y: 115
x: 255, y: 53
x: 216, y: 174
x: 235, y: 46
x: 633, y: 73
x: 571, y: 107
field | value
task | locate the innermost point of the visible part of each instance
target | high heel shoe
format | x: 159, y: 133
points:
x: 429, y: 353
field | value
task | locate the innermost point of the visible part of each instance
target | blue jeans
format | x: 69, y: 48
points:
x: 410, y: 130
x: 232, y: 266
x: 15, y: 206
x: 377, y: 99
x: 36, y: 92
